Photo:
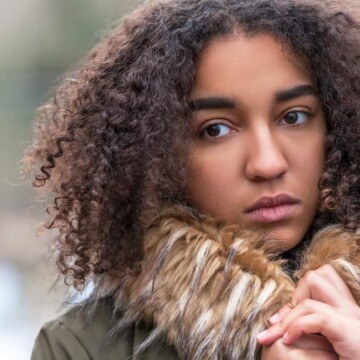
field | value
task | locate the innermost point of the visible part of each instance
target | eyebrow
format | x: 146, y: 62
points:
x: 213, y: 103
x: 295, y: 92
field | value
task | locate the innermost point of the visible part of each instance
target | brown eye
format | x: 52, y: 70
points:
x: 294, y: 118
x: 215, y: 131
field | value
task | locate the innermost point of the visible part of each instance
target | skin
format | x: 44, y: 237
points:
x: 249, y: 142
x: 325, y: 306
x: 258, y: 151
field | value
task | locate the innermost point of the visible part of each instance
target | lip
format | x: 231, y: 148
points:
x: 272, y: 208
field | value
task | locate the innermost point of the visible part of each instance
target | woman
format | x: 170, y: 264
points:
x: 204, y: 162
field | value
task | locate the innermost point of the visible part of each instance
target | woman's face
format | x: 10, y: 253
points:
x: 258, y: 138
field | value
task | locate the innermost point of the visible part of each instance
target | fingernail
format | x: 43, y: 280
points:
x: 274, y: 319
x: 262, y: 335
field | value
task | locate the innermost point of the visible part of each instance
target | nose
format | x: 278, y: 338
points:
x: 266, y: 159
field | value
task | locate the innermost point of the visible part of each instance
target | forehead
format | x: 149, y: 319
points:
x: 229, y: 64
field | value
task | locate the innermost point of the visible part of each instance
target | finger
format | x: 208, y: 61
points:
x: 277, y: 317
x: 329, y: 273
x: 314, y: 342
x: 306, y: 307
x: 279, y: 350
x: 270, y: 335
x: 313, y: 354
x: 316, y: 323
x: 314, y: 286
x: 323, y: 284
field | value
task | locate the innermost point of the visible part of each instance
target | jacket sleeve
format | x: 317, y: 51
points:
x: 56, y: 342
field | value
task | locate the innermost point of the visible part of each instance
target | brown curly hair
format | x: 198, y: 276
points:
x: 113, y: 141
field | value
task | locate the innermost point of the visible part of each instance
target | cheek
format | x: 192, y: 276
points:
x: 213, y: 180
x: 313, y: 159
x: 309, y: 171
x: 207, y: 177
x: 309, y: 164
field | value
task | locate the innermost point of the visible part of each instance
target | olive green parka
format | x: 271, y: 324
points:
x: 76, y: 336
x: 208, y: 289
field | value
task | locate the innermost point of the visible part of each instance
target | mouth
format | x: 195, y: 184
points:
x: 270, y: 209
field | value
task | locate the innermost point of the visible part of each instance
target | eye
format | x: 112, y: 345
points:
x: 294, y: 118
x: 215, y: 131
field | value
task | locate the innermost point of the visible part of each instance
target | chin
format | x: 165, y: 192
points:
x: 280, y: 240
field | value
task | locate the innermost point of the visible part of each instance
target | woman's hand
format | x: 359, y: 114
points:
x: 308, y: 347
x: 323, y: 304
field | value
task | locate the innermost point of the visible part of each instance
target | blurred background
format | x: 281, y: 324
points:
x: 39, y: 40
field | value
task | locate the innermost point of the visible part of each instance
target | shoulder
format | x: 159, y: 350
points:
x: 82, y: 334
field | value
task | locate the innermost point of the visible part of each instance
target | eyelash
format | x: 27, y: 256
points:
x: 305, y: 113
x: 202, y: 133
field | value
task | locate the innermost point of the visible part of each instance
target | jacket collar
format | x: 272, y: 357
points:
x: 210, y: 288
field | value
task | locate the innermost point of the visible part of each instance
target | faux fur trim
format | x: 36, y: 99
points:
x: 210, y: 288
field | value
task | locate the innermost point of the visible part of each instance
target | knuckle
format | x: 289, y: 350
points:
x: 311, y: 278
x: 327, y: 269
x: 324, y: 323
x: 306, y: 304
x: 321, y: 320
x: 308, y: 275
x: 297, y: 324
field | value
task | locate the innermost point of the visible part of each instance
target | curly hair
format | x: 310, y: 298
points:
x: 112, y: 143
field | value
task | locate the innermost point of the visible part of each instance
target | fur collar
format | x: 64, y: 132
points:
x: 210, y: 288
